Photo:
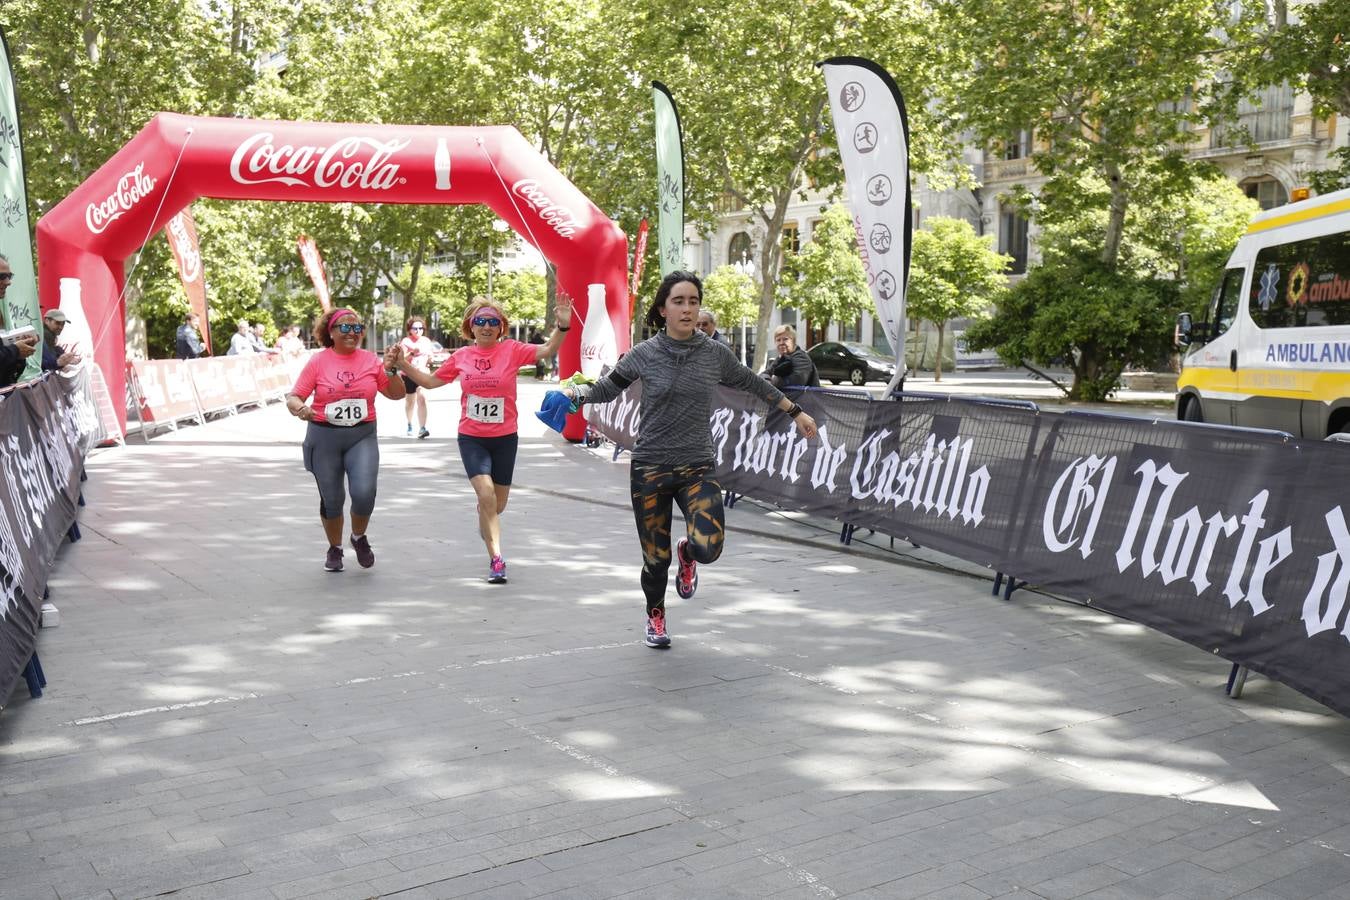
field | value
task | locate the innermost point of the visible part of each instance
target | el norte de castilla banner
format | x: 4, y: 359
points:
x: 1234, y: 541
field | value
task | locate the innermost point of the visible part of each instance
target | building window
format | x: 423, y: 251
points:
x: 740, y: 249
x: 849, y: 331
x: 792, y: 238
x: 1017, y: 146
x: 1012, y: 237
x: 1266, y: 191
x: 1266, y: 118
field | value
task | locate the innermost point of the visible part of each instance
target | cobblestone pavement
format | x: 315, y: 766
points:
x: 225, y: 719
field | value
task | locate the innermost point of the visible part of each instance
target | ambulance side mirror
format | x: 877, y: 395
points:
x: 1182, y: 335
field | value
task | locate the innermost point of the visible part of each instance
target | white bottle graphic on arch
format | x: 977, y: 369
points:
x: 77, y: 335
x: 599, y: 348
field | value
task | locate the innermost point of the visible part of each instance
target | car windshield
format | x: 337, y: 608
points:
x: 866, y: 352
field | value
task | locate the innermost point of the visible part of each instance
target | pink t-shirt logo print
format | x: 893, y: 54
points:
x: 483, y: 365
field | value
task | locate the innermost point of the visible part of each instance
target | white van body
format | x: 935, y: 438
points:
x: 1276, y: 338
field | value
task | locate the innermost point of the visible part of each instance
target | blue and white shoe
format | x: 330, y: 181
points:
x: 656, y: 629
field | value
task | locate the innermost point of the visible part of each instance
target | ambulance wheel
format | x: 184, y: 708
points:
x: 1192, y: 412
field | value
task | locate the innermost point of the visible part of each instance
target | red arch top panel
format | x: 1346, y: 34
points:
x: 83, y: 240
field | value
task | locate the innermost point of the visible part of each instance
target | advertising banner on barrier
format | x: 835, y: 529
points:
x: 210, y: 382
x: 269, y: 372
x: 46, y: 428
x: 239, y: 376
x: 1234, y: 541
x: 164, y: 390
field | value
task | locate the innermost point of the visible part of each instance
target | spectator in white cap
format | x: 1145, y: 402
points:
x: 53, y: 355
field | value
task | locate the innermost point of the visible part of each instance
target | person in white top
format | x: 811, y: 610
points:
x: 289, y: 343
x: 241, y: 342
x: 417, y: 349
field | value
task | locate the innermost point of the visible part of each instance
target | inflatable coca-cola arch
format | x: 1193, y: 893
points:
x: 84, y: 240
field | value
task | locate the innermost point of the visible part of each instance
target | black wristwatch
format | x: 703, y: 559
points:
x: 563, y: 327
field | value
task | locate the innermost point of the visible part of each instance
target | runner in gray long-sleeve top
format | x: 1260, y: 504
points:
x: 673, y: 458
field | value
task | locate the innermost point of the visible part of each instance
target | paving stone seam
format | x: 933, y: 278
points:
x: 800, y: 875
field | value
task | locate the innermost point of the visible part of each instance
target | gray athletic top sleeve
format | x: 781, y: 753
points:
x: 678, y: 380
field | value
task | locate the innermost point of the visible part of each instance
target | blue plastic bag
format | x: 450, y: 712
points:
x: 554, y: 411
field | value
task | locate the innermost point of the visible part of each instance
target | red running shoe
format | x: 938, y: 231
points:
x: 686, y: 579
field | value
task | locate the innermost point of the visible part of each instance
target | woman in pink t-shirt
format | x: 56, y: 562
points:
x: 340, y: 447
x: 486, y: 370
x: 417, y: 349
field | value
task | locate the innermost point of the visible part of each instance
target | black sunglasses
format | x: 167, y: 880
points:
x: 486, y: 322
x: 415, y: 328
x: 351, y: 328
x: 6, y: 276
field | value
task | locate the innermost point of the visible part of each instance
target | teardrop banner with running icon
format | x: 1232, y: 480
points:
x: 85, y: 240
x: 872, y: 131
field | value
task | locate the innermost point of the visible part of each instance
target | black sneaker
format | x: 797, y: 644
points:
x: 364, y: 555
x: 333, y: 562
x: 423, y: 434
x: 686, y: 579
x: 656, y: 629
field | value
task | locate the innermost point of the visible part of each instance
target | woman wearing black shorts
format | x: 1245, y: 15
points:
x: 486, y: 370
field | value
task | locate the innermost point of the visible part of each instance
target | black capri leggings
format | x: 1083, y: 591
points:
x: 338, y: 456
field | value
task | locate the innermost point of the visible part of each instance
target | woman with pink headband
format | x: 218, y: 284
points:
x: 486, y: 370
x: 340, y: 447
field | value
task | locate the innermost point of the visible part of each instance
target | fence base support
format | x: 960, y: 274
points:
x: 32, y: 673
x: 1007, y: 587
x: 1237, y: 679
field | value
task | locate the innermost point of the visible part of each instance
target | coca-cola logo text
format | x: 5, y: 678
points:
x: 362, y: 162
x: 131, y: 187
x: 189, y: 257
x: 559, y: 218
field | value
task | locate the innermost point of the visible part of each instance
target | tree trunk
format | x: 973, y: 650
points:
x: 1115, y: 222
x: 937, y: 366
x: 418, y: 257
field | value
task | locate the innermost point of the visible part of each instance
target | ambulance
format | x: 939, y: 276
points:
x: 1273, y: 350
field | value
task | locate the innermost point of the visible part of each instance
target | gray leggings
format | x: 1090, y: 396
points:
x: 332, y: 452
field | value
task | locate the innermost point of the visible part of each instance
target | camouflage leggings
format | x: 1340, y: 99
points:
x: 654, y: 486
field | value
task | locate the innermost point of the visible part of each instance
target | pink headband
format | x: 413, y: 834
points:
x: 339, y: 313
x: 482, y: 310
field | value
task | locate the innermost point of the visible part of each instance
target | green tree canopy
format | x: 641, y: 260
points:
x: 825, y: 280
x: 953, y: 273
x: 731, y: 295
x: 1106, y: 89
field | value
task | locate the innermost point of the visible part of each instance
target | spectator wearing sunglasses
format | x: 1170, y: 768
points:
x: 13, y: 357
x: 340, y: 447
x: 488, y: 438
x: 417, y: 349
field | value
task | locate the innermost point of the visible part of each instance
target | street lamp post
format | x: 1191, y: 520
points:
x: 746, y: 268
x: 375, y: 320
